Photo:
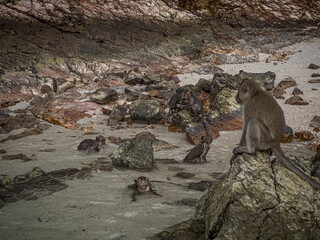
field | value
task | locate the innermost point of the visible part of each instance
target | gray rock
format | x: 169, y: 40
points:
x: 136, y: 153
x: 253, y: 200
x: 104, y: 95
x: 315, y: 164
x: 204, y: 84
x: 118, y: 113
x: 146, y: 111
x: 265, y: 80
x: 287, y: 82
x: 315, y: 122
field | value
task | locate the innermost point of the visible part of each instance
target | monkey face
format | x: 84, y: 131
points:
x: 243, y: 93
x: 142, y: 184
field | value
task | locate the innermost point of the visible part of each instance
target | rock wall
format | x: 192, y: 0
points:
x: 258, y: 13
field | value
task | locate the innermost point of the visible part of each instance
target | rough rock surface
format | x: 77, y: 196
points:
x: 255, y: 199
x: 136, y: 153
x: 146, y: 111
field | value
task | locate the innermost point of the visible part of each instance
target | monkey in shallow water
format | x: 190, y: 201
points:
x: 90, y: 145
x: 263, y: 126
x: 199, y: 152
x: 190, y: 101
x: 140, y: 185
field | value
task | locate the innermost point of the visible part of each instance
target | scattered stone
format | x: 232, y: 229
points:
x: 146, y: 111
x: 304, y: 136
x: 278, y: 93
x: 314, y: 81
x: 47, y: 150
x: 297, y: 91
x: 2, y: 151
x: 315, y: 75
x: 118, y: 113
x: 313, y: 66
x: 131, y: 94
x: 104, y: 95
x: 315, y: 122
x: 287, y: 82
x: 200, y: 186
x: 204, y: 84
x: 16, y: 156
x: 136, y: 153
x: 35, y: 183
x: 296, y: 100
x: 195, y: 132
x: 288, y: 135
x: 184, y: 175
x: 281, y: 56
x: 87, y: 129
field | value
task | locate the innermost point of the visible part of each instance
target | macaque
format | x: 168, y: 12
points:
x: 190, y: 101
x: 199, y: 152
x: 263, y: 126
x: 140, y: 185
x: 90, y: 145
x: 173, y: 103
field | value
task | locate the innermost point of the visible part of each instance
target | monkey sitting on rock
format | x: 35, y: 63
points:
x: 199, y: 152
x: 190, y: 101
x: 140, y: 185
x: 90, y: 145
x: 263, y: 126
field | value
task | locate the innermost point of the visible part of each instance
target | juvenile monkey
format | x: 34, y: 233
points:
x: 263, y: 126
x: 199, y: 152
x: 140, y: 185
x: 90, y: 145
x: 173, y: 102
x: 193, y: 103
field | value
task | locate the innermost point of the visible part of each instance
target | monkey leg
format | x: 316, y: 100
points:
x: 253, y: 137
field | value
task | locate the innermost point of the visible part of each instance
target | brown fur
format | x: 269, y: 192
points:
x: 263, y: 125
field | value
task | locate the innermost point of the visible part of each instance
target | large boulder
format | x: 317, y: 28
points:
x: 136, y: 153
x: 146, y: 111
x: 256, y: 199
x: 104, y: 95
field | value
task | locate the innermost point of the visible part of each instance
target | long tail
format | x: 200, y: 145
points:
x: 286, y: 162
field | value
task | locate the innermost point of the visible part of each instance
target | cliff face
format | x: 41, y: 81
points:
x: 259, y: 13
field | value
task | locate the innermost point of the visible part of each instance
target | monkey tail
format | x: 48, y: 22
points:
x: 286, y: 162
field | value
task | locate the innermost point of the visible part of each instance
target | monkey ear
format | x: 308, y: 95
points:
x: 244, y: 87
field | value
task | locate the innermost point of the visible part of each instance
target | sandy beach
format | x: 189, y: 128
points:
x: 101, y: 207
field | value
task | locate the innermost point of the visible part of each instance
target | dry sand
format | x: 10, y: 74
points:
x: 100, y: 207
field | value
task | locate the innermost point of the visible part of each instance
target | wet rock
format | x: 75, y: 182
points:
x: 23, y: 120
x: 265, y: 80
x: 296, y: 100
x: 131, y: 94
x: 157, y: 87
x: 35, y: 183
x: 136, y: 153
x: 314, y: 81
x: 157, y: 144
x: 146, y: 111
x: 243, y: 200
x: 27, y: 132
x: 313, y: 66
x: 200, y: 186
x: 297, y: 91
x: 207, y: 69
x: 16, y: 156
x: 184, y: 175
x: 288, y: 135
x: 287, y: 82
x: 104, y: 95
x: 133, y: 77
x: 204, y: 84
x: 278, y: 93
x: 315, y: 164
x: 118, y: 113
x: 315, y: 122
x: 304, y: 136
x: 315, y: 75
x: 195, y: 132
